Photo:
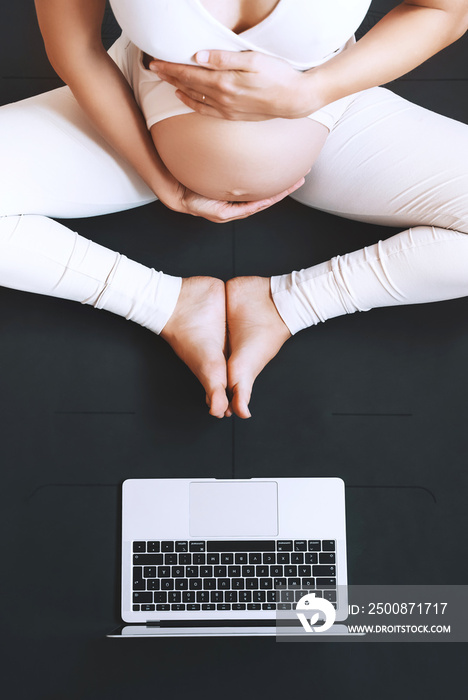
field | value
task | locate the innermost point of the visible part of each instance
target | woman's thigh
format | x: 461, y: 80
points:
x: 53, y: 162
x: 390, y: 162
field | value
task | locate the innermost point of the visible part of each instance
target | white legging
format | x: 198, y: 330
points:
x: 386, y: 161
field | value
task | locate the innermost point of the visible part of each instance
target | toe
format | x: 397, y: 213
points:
x: 241, y: 393
x: 218, y: 401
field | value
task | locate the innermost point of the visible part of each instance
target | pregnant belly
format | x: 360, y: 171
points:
x: 237, y: 161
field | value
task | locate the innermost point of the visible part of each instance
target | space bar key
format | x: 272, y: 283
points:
x: 241, y: 546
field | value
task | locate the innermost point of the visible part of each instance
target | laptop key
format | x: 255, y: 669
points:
x: 238, y: 606
x: 254, y: 606
x: 287, y: 596
x: 208, y: 606
x: 330, y: 595
x: 206, y: 571
x: 178, y: 572
x: 148, y: 607
x: 255, y: 558
x: 269, y: 558
x: 241, y: 558
x: 160, y: 597
x: 197, y: 558
x: 192, y: 571
x: 266, y: 583
x: 304, y: 570
x: 139, y: 546
x: 212, y: 558
x: 220, y: 571
x: 195, y: 583
x: 294, y: 582
x: 259, y: 596
x: 227, y: 558
x: 297, y: 558
x: 167, y: 584
x: 272, y: 596
x: 282, y: 558
x: 181, y: 546
x: 139, y: 583
x: 142, y: 597
x: 284, y: 606
x: 279, y: 582
x: 230, y: 596
x: 224, y: 584
x: 315, y: 545
x: 217, y: 596
x: 251, y: 583
x: 262, y: 571
x: 269, y: 606
x: 327, y: 557
x: 152, y: 584
x: 147, y: 559
x: 164, y: 571
x: 223, y: 606
x: 135, y: 608
x: 188, y: 596
x: 153, y: 547
x: 248, y: 571
x: 181, y: 584
x: 163, y: 606
x: 300, y: 545
x: 170, y: 559
x: 245, y: 596
x: 174, y: 597
x: 203, y: 596
x: 311, y: 558
x: 241, y: 546
x: 290, y: 570
x: 284, y: 546
x: 209, y: 584
x: 197, y: 546
x: 167, y: 546
x: 328, y: 545
x: 326, y: 582
x: 276, y: 570
x: 322, y: 570
x: 237, y: 584
x: 308, y: 582
x: 178, y: 606
x: 234, y: 571
x: 193, y: 606
x: 149, y: 572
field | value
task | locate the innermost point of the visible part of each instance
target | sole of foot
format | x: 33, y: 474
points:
x: 256, y: 333
x: 196, y: 331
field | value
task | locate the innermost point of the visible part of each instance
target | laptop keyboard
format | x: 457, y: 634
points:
x: 231, y: 574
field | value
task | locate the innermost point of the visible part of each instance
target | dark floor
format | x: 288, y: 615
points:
x: 88, y: 400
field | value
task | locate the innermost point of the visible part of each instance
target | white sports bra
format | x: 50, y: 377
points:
x: 305, y: 33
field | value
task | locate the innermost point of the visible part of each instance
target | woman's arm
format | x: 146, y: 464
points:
x: 252, y: 86
x: 406, y: 37
x: 71, y: 30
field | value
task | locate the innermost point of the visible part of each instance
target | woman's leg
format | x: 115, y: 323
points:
x: 53, y: 163
x: 390, y: 162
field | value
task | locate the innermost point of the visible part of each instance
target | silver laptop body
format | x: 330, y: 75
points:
x: 234, y: 526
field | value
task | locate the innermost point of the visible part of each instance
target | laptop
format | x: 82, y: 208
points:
x: 223, y: 557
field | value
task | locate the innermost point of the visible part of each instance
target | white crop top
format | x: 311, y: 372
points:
x: 305, y: 33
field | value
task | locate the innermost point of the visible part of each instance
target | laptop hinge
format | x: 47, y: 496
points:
x: 153, y: 623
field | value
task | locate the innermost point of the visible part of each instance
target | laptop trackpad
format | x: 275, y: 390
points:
x: 234, y: 509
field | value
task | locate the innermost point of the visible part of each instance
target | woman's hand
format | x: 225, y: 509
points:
x: 245, y: 86
x: 181, y: 199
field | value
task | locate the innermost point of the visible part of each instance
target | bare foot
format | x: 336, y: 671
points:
x: 256, y: 333
x: 196, y: 331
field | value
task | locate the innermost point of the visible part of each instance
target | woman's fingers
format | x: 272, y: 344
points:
x: 182, y: 76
